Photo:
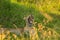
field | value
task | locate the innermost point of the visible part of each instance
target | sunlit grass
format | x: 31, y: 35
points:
x: 48, y: 6
x: 40, y: 33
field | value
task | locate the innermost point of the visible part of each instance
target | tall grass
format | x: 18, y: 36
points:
x: 40, y: 33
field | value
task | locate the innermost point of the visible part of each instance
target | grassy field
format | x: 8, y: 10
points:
x: 45, y: 12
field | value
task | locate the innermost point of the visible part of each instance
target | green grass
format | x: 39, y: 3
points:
x: 13, y: 12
